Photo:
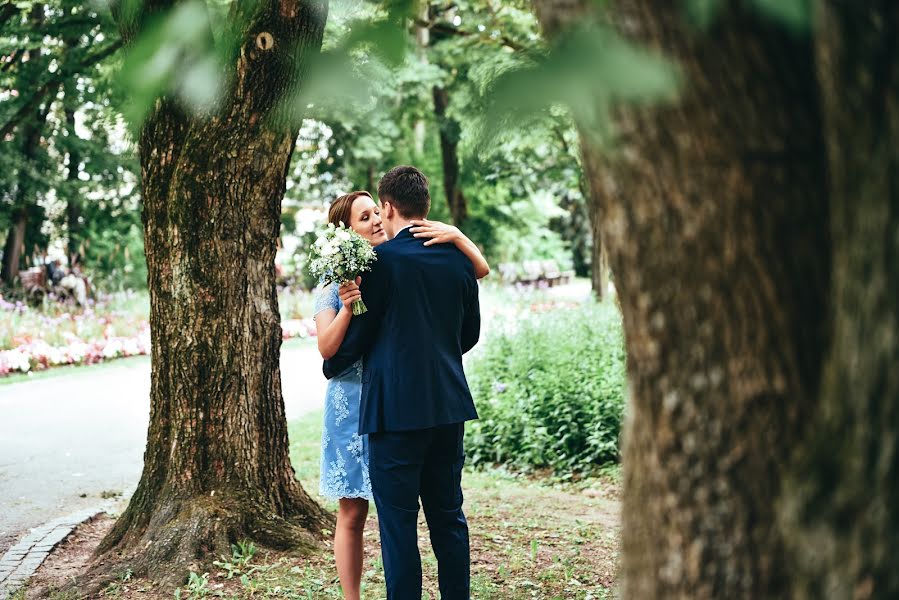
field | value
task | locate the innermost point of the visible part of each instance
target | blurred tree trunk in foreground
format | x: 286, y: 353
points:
x: 754, y: 232
x: 843, y: 497
x: 714, y: 212
x: 216, y: 466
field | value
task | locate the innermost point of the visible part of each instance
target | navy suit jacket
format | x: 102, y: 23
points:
x: 423, y: 315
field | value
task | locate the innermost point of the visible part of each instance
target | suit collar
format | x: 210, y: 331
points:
x: 404, y: 232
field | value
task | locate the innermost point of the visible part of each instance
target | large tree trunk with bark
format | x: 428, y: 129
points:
x: 842, y: 509
x: 715, y: 216
x: 716, y: 219
x: 216, y: 466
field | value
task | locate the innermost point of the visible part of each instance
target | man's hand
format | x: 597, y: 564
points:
x: 349, y: 293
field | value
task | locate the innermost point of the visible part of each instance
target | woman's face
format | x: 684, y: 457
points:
x: 365, y: 219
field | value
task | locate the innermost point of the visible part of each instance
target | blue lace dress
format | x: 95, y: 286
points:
x: 344, y: 462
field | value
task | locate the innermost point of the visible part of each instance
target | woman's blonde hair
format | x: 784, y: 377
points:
x: 342, y: 208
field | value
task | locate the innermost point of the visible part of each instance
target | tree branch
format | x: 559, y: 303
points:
x: 7, y: 11
x: 446, y: 29
x: 53, y: 83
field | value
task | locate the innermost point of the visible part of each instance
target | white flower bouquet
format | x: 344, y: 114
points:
x: 339, y: 255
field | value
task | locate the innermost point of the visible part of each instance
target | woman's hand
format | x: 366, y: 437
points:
x: 439, y: 233
x: 349, y: 293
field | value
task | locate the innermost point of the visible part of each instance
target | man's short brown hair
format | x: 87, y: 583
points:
x: 406, y: 188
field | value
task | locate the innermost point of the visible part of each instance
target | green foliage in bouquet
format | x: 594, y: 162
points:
x: 339, y: 255
x: 551, y: 393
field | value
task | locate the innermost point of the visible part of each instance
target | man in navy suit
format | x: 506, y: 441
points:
x: 423, y: 315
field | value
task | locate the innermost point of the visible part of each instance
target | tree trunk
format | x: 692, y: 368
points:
x: 843, y: 501
x: 591, y: 186
x: 216, y: 466
x: 370, y: 178
x: 717, y: 227
x: 449, y: 141
x: 73, y: 201
x: 715, y: 216
x: 13, y: 248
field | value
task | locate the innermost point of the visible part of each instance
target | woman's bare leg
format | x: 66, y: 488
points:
x: 348, y: 544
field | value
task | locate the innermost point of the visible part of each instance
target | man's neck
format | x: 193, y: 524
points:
x: 400, y: 226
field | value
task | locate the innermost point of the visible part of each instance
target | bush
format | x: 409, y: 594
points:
x: 550, y: 392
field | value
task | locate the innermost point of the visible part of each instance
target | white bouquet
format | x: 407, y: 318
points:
x: 339, y: 255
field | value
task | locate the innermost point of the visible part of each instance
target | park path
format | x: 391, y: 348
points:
x: 70, y: 439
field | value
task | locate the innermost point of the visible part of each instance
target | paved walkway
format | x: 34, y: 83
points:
x: 69, y: 440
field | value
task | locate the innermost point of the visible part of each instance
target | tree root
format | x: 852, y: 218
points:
x: 187, y: 535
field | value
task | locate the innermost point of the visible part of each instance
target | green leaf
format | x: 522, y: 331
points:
x: 703, y: 12
x: 174, y: 55
x: 795, y: 14
x: 588, y: 70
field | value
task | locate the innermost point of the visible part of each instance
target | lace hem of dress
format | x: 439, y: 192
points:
x: 359, y: 495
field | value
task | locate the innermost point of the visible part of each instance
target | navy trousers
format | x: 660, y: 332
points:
x: 427, y: 464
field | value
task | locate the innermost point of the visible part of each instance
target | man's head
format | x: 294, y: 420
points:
x: 404, y: 195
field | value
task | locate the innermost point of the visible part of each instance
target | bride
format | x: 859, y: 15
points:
x: 344, y: 459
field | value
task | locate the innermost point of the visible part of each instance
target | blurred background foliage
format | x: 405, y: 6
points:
x: 468, y: 91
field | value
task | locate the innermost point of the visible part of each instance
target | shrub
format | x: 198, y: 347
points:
x: 550, y: 391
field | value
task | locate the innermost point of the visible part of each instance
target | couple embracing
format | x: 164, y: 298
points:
x: 397, y: 396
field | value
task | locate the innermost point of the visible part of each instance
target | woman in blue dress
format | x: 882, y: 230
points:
x: 344, y: 460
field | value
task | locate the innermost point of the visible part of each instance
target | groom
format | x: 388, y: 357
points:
x: 423, y: 314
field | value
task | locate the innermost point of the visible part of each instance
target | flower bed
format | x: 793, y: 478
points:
x: 57, y: 335
x: 301, y: 328
x: 38, y: 354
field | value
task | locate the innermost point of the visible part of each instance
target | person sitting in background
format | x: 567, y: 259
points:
x: 76, y: 287
x: 55, y: 272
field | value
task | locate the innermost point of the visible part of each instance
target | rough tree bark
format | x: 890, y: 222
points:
x: 715, y: 215
x: 842, y: 512
x: 216, y: 466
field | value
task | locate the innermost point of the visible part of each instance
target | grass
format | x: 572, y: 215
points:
x: 72, y: 370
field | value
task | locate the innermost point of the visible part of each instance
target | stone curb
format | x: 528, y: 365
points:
x: 23, y: 559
